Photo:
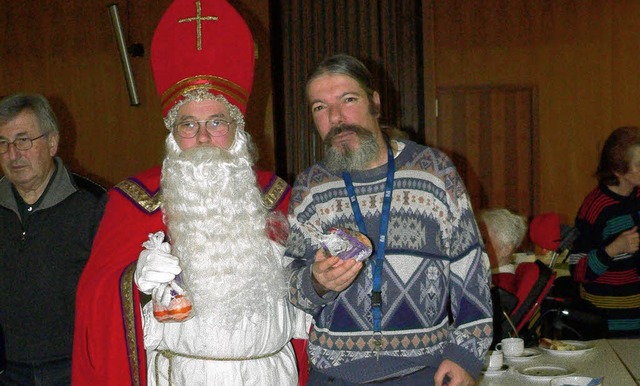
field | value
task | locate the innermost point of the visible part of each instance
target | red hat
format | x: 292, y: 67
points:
x: 544, y: 230
x: 202, y: 43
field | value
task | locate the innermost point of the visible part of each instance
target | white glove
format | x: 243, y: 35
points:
x: 156, y: 266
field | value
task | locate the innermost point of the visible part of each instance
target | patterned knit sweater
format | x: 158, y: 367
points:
x: 434, y: 261
x: 610, y: 283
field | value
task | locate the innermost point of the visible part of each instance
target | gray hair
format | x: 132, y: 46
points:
x: 198, y: 95
x: 507, y: 227
x: 347, y: 65
x: 13, y: 105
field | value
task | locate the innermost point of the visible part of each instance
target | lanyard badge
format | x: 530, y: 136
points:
x: 376, y: 293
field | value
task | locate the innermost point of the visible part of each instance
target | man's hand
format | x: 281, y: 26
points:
x: 626, y: 242
x: 457, y: 376
x: 330, y: 273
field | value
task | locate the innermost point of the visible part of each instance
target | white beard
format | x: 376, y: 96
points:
x: 216, y: 221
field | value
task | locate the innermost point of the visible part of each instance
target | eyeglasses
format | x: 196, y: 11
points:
x: 215, y: 127
x: 19, y: 143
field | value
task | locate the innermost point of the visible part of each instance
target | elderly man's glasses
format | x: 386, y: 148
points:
x: 215, y: 127
x: 19, y: 143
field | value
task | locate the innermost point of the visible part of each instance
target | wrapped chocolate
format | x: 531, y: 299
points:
x: 171, y: 302
x: 174, y: 305
x: 347, y: 244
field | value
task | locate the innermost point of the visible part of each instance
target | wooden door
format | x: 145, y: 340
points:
x: 489, y: 132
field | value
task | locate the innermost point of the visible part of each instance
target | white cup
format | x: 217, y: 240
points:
x: 511, y: 347
x: 493, y: 360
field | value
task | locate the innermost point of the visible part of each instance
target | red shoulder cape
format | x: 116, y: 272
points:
x: 108, y: 346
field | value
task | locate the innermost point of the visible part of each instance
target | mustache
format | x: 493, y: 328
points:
x: 18, y: 162
x: 346, y: 128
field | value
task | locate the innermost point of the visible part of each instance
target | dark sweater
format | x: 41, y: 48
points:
x: 41, y: 259
x: 610, y: 283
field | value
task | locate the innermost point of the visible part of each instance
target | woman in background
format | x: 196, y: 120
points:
x: 605, y: 257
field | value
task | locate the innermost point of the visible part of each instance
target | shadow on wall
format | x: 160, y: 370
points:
x: 68, y: 140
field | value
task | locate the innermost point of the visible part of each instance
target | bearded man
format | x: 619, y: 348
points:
x: 224, y: 227
x: 418, y: 311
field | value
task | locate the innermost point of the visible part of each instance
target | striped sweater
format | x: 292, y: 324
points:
x: 610, y: 283
x: 433, y: 259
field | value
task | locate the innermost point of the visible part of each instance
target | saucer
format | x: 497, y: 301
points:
x: 577, y: 381
x: 499, y: 371
x: 528, y: 353
x: 545, y: 372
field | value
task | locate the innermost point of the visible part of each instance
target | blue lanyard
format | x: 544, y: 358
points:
x: 376, y: 294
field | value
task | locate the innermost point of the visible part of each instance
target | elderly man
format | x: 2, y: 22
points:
x: 224, y: 221
x: 48, y: 218
x: 418, y: 311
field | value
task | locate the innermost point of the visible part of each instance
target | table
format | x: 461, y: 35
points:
x: 628, y: 351
x: 602, y: 360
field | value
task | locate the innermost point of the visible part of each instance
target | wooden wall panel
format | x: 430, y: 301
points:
x: 66, y: 50
x: 489, y: 134
x: 580, y: 55
x: 625, y: 63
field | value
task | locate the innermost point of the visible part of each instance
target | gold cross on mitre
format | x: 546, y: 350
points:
x: 198, y: 19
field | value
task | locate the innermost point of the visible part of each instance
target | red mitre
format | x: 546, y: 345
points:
x: 202, y: 43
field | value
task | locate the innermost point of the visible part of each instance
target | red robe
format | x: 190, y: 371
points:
x: 108, y: 346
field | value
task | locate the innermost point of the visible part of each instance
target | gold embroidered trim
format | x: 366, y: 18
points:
x: 138, y: 194
x: 198, y: 19
x: 199, y: 81
x: 271, y: 197
x: 126, y: 293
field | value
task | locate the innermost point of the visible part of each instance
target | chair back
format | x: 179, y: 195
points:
x: 533, y: 282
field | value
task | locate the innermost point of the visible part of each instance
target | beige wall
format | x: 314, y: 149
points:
x: 581, y: 55
x: 66, y: 50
